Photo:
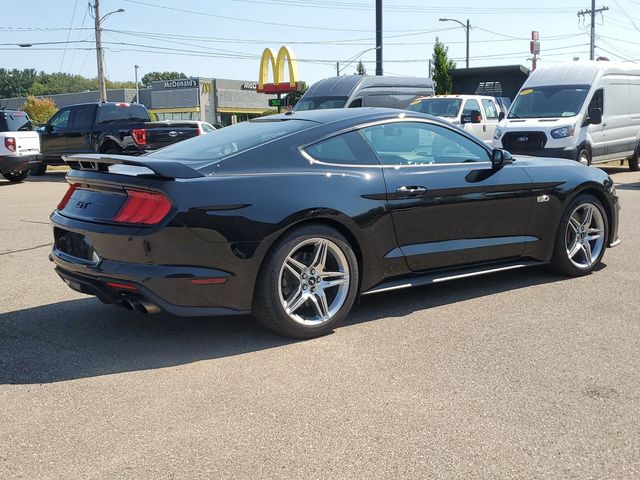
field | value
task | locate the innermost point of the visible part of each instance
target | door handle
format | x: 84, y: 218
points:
x: 411, y: 190
x: 604, y: 124
x: 484, y: 128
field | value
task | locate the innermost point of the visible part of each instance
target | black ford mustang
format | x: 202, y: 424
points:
x: 292, y: 216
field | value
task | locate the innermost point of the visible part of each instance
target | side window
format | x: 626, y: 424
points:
x: 347, y: 149
x: 469, y: 106
x: 60, y: 120
x: 357, y: 103
x: 413, y: 143
x: 490, y: 110
x: 597, y: 101
x: 82, y: 117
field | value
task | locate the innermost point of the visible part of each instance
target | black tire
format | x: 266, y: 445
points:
x: 269, y: 294
x: 584, y: 153
x: 634, y: 165
x: 16, y: 176
x: 39, y: 170
x: 561, y: 262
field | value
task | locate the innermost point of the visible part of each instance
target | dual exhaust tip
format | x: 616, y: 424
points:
x: 138, y: 304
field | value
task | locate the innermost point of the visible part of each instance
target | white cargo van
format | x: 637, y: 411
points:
x: 585, y: 111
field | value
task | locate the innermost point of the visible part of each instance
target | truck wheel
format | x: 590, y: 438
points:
x: 39, y: 170
x: 584, y: 157
x: 634, y: 165
x: 16, y: 176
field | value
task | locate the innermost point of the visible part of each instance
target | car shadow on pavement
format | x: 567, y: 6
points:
x: 51, y: 176
x: 84, y: 338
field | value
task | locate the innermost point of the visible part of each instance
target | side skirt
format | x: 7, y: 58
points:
x: 445, y: 276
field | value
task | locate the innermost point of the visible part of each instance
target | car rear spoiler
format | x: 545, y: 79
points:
x: 161, y: 168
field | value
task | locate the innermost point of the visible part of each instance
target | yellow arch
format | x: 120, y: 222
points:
x: 277, y: 65
x: 285, y: 55
x: 267, y: 58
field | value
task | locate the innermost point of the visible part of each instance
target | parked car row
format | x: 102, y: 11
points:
x: 107, y: 127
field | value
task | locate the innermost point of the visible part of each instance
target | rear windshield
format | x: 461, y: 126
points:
x: 320, y: 103
x: 14, y: 122
x: 125, y: 113
x: 230, y: 140
x: 438, y: 107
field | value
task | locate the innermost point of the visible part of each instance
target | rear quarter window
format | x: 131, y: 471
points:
x: 108, y: 114
x: 15, y: 122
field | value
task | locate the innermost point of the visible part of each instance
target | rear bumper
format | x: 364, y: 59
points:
x: 18, y: 163
x: 128, y: 293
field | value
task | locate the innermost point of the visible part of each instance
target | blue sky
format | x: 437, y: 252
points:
x: 225, y: 38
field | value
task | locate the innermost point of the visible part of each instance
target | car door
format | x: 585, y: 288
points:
x: 448, y: 205
x: 490, y: 112
x: 78, y: 134
x: 595, y: 132
x: 471, y: 106
x: 51, y: 139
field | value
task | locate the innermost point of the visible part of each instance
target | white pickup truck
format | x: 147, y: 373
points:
x: 19, y: 145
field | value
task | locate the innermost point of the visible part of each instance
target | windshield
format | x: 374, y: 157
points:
x: 320, y: 103
x: 438, y: 107
x: 549, y: 102
x: 230, y: 140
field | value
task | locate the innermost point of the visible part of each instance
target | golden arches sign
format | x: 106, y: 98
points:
x: 277, y: 65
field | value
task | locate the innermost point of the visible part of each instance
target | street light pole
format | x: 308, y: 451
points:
x: 99, y: 52
x: 466, y: 27
x: 137, y: 90
x: 353, y: 59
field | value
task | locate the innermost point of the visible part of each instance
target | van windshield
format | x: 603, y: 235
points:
x: 438, y: 107
x: 319, y: 103
x: 549, y: 102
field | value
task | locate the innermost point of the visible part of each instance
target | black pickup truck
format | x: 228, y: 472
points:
x: 119, y: 128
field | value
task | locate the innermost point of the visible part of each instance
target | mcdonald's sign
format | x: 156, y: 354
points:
x: 277, y: 65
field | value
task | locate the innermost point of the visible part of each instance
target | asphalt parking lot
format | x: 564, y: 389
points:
x: 517, y: 375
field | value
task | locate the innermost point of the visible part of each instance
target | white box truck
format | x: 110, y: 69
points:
x: 585, y: 111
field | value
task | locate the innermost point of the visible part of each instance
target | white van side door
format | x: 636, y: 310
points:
x: 490, y: 111
x: 595, y: 133
x: 618, y: 132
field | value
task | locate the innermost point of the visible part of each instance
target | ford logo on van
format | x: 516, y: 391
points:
x: 522, y: 139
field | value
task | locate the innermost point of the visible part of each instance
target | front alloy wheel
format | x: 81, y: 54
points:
x: 584, y: 239
x: 581, y: 239
x: 307, y: 283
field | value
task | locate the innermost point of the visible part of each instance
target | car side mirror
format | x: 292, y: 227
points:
x: 500, y: 158
x: 476, y: 117
x: 595, y: 116
x: 501, y: 116
x: 465, y: 119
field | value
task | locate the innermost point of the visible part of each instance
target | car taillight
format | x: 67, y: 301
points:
x: 67, y: 196
x: 143, y: 208
x: 139, y: 136
x: 10, y: 144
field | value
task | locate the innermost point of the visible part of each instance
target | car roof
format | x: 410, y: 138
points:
x: 452, y: 95
x: 348, y: 115
x: 346, y: 85
x: 12, y: 112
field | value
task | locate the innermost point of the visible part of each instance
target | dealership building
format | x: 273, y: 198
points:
x: 213, y: 100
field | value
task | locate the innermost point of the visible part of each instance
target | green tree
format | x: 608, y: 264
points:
x: 292, y: 98
x: 441, y: 66
x: 360, y: 70
x: 156, y: 76
x: 39, y: 109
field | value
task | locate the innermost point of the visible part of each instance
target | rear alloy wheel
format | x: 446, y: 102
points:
x: 308, y: 284
x: 584, y: 157
x: 581, y: 239
x: 16, y: 176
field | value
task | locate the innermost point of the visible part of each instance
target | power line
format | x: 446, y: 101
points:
x: 73, y: 16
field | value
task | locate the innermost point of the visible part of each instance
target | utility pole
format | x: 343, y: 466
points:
x: 337, y: 69
x: 378, y: 37
x: 136, y: 67
x: 467, y: 32
x: 101, y: 84
x: 592, y: 13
